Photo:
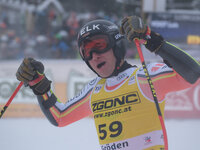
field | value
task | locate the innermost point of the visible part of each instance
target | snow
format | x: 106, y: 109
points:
x: 39, y: 134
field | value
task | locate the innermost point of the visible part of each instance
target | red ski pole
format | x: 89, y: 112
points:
x: 153, y: 92
x: 11, y: 98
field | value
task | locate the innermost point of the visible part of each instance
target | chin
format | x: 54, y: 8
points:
x: 104, y: 75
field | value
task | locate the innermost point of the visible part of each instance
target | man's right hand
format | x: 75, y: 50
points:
x: 31, y: 72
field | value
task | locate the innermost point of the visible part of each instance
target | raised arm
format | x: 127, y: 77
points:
x: 184, y: 64
x: 187, y: 67
x: 31, y: 72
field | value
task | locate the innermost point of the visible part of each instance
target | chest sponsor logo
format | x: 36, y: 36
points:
x: 98, y: 88
x: 132, y: 80
x: 148, y: 140
x: 116, y: 102
x: 122, y: 76
x: 92, y: 82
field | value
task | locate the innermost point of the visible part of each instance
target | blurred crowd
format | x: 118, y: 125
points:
x: 54, y: 38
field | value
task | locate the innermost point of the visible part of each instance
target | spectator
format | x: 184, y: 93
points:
x: 60, y: 48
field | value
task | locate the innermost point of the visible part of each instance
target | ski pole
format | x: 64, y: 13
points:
x: 11, y: 98
x: 137, y: 43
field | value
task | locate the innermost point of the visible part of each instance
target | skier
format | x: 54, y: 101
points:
x: 119, y: 97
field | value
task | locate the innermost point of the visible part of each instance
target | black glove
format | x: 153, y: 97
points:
x: 134, y: 28
x: 31, y: 72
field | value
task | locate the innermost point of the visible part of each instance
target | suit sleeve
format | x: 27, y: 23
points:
x: 164, y: 78
x: 180, y: 61
x: 60, y: 114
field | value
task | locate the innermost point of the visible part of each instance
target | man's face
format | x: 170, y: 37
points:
x: 104, y: 63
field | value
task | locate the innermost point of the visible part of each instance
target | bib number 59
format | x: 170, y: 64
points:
x: 115, y: 128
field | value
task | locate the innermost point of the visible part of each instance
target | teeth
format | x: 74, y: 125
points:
x: 100, y: 65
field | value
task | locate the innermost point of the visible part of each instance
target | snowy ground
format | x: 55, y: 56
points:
x: 39, y: 134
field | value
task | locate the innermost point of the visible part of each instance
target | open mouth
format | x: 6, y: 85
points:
x: 101, y: 64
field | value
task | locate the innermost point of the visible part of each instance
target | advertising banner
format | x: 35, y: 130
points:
x: 182, y: 104
x: 177, y: 27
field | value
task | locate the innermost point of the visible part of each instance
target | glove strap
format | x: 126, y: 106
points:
x: 37, y: 80
x: 42, y: 87
x: 147, y: 36
x: 154, y: 42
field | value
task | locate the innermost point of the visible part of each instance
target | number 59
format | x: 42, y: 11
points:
x: 115, y: 126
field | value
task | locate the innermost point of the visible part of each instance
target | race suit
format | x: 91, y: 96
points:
x: 123, y: 107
